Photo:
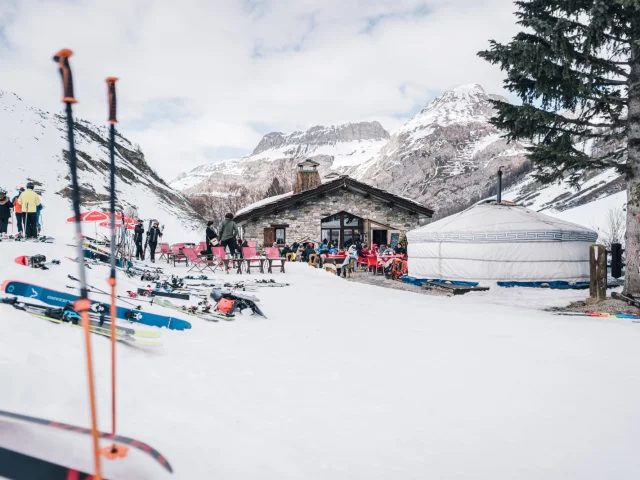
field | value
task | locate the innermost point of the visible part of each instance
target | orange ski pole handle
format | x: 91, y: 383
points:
x: 111, y: 91
x: 62, y: 59
x: 83, y: 305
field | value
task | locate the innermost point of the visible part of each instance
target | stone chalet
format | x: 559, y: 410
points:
x: 341, y: 210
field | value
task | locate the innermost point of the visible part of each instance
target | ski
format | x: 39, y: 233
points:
x: 157, y: 456
x: 159, y: 293
x: 59, y: 316
x: 60, y: 299
x: 19, y: 466
x: 600, y: 314
x: 97, y: 320
x: 628, y: 299
x: 210, y: 315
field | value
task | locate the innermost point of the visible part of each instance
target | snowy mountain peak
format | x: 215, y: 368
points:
x: 461, y: 104
x: 320, y: 135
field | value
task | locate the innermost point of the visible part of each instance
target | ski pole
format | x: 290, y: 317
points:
x: 99, y: 290
x: 83, y: 304
x: 116, y: 450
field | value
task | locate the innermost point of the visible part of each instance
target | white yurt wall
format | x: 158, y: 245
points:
x: 496, y: 242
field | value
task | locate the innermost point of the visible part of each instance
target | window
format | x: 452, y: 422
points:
x: 280, y: 236
x: 341, y: 230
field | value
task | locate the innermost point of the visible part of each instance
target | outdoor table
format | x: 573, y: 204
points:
x: 235, y: 263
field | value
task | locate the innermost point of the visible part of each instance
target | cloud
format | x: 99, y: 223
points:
x: 200, y: 79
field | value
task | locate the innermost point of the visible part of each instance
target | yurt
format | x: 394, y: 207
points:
x: 500, y: 242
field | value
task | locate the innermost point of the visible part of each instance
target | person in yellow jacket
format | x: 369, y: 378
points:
x: 30, y: 201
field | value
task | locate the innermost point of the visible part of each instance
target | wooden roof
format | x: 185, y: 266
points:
x: 341, y: 182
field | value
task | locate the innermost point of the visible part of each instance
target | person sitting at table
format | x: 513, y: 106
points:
x: 400, y: 250
x: 300, y: 251
x: 285, y: 250
x: 309, y: 250
x: 385, y: 257
x: 350, y: 261
x: 333, y: 251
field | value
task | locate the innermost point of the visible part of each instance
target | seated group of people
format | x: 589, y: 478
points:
x: 303, y: 252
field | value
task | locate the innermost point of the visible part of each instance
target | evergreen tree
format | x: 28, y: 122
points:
x: 576, y: 69
x: 275, y: 188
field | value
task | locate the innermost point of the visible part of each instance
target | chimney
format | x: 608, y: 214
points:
x: 308, y: 176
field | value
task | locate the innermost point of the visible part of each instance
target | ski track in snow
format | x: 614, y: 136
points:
x: 342, y: 381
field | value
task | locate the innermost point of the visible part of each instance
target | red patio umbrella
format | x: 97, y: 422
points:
x: 92, y: 216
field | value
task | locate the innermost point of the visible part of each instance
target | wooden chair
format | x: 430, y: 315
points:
x: 330, y: 268
x: 251, y: 258
x: 291, y: 257
x: 313, y: 260
x: 273, y: 255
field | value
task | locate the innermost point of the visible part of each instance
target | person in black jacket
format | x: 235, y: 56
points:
x: 307, y: 252
x: 154, y: 234
x: 210, y: 236
x: 5, y: 211
x: 137, y: 239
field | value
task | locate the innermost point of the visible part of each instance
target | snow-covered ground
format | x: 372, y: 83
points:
x: 342, y: 381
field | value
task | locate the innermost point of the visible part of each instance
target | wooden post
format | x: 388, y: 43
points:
x: 598, y: 272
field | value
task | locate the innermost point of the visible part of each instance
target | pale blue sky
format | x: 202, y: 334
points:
x: 203, y: 80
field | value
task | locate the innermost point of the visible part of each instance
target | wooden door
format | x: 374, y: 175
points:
x: 269, y: 236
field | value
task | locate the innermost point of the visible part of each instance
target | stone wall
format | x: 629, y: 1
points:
x: 304, y: 221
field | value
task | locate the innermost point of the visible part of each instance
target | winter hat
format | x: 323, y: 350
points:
x: 30, y: 186
x: 22, y: 189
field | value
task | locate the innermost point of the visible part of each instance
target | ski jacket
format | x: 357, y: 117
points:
x: 210, y: 235
x: 29, y: 201
x: 139, y: 231
x: 5, y: 207
x: 153, y: 235
x: 16, y: 206
x: 227, y: 230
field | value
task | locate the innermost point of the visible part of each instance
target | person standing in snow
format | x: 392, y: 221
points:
x: 211, y: 238
x: 38, y: 211
x: 18, y: 211
x: 228, y: 231
x: 137, y: 239
x: 5, y: 211
x: 29, y: 200
x: 154, y: 234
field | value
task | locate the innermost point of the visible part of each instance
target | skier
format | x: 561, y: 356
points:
x: 30, y: 201
x: 17, y: 208
x: 228, y: 232
x: 5, y: 211
x: 153, y: 235
x: 137, y: 239
x: 38, y: 211
x: 211, y: 238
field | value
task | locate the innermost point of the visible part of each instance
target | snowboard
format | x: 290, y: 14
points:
x: 60, y: 299
x: 18, y: 466
x: 157, y: 456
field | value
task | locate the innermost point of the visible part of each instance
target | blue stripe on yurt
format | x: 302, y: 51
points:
x: 561, y: 285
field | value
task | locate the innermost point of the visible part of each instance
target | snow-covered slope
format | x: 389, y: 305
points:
x: 390, y: 385
x: 33, y: 142
x: 336, y: 148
